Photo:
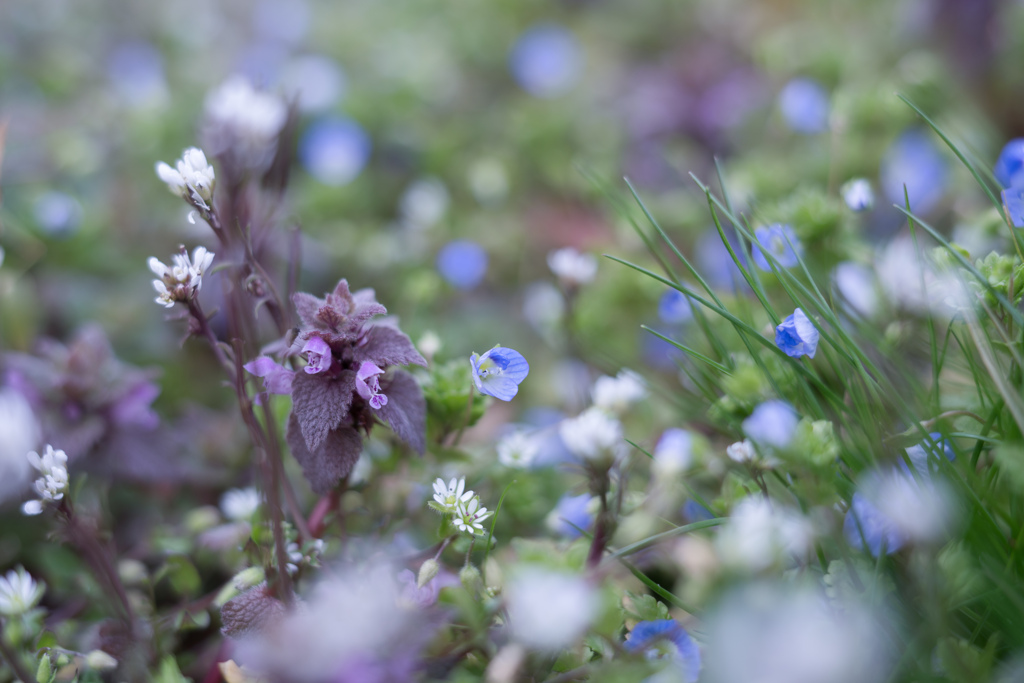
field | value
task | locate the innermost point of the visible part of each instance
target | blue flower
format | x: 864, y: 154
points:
x: 858, y: 195
x: 804, y: 105
x: 866, y: 524
x: 780, y: 241
x: 665, y: 637
x: 674, y: 307
x: 546, y: 60
x: 1013, y: 202
x: 797, y: 336
x: 695, y: 512
x: 498, y: 372
x: 924, y: 456
x: 771, y: 424
x: 462, y: 263
x: 571, y: 514
x: 334, y: 150
x: 914, y: 160
x: 1009, y: 168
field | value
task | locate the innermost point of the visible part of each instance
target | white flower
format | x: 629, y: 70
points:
x: 424, y: 203
x: 182, y: 280
x: 760, y: 533
x: 53, y: 483
x: 741, y: 451
x: 239, y: 505
x: 616, y: 394
x: 468, y: 516
x: 922, y: 509
x: 518, y: 449
x: 572, y: 267
x: 193, y: 179
x: 548, y: 610
x: 858, y: 195
x: 593, y: 435
x: 244, y: 121
x: 19, y: 592
x: 448, y: 498
x: 855, y: 283
x: 19, y: 433
x: 429, y: 344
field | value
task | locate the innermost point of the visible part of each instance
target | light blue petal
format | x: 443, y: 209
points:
x: 498, y: 386
x: 511, y: 362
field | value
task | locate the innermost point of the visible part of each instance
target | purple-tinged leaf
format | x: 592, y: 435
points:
x: 307, y: 305
x: 387, y: 346
x: 250, y: 612
x: 406, y: 410
x: 321, y: 403
x: 326, y: 465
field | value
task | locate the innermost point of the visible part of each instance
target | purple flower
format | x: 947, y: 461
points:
x: 368, y: 384
x: 498, y: 372
x: 276, y: 378
x: 1009, y: 168
x: 778, y: 240
x: 570, y: 515
x: 134, y: 407
x: 427, y: 595
x: 797, y: 336
x: 666, y: 638
x: 318, y: 353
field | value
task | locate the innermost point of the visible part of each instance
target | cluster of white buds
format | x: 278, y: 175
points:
x: 53, y: 483
x: 19, y: 592
x: 193, y: 180
x: 308, y: 554
x: 182, y: 280
x: 463, y: 506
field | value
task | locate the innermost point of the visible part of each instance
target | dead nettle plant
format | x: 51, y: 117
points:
x: 348, y: 383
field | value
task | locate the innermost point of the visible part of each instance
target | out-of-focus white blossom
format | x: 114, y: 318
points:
x: 239, y: 505
x: 741, y: 451
x: 183, y: 279
x: 855, y: 283
x: 616, y: 394
x: 911, y: 283
x: 592, y: 436
x: 429, y: 344
x: 19, y: 592
x: 424, y: 203
x: 193, y: 179
x: 920, y: 508
x: 19, y: 433
x: 858, y: 195
x: 572, y: 267
x: 53, y: 483
x: 518, y: 449
x: 488, y: 181
x: 674, y: 452
x: 548, y: 610
x: 760, y: 534
x: 244, y: 123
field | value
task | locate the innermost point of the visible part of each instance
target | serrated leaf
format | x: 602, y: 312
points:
x: 320, y: 404
x: 405, y: 411
x: 388, y: 346
x: 250, y: 612
x: 333, y: 459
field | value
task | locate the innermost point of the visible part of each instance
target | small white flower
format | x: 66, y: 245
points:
x: 244, y: 122
x: 19, y: 592
x: 429, y: 344
x: 239, y: 505
x: 572, y: 267
x: 760, y: 534
x: 449, y: 497
x: 193, y: 179
x: 549, y: 611
x: 741, y: 451
x: 182, y: 280
x: 616, y: 394
x: 593, y: 435
x: 858, y: 195
x: 468, y: 516
x: 518, y: 449
x: 424, y: 203
x: 53, y: 483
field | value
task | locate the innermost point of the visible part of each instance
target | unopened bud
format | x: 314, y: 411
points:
x: 471, y: 578
x: 100, y: 661
x: 428, y: 570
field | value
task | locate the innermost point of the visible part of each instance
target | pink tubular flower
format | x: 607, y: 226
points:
x: 276, y: 378
x: 318, y: 354
x: 368, y: 384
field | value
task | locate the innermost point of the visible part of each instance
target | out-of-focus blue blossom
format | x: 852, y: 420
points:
x: 335, y: 150
x: 674, y: 308
x: 778, y: 240
x: 695, y: 512
x: 315, y: 82
x: 771, y: 424
x: 571, y: 514
x: 462, y: 263
x: 1009, y: 168
x: 674, y: 451
x: 546, y: 60
x: 498, y: 372
x: 261, y: 63
x: 57, y: 214
x: 797, y: 336
x: 855, y: 284
x: 658, y: 353
x: 666, y: 638
x: 717, y: 265
x: 1013, y: 202
x: 865, y: 523
x: 804, y: 105
x: 923, y: 456
x: 914, y: 160
x: 136, y: 70
x: 858, y: 195
x: 281, y: 21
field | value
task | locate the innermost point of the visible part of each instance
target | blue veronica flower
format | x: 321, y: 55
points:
x: 797, y: 336
x: 914, y: 160
x: 1009, y: 168
x: 695, y: 512
x: 804, y: 105
x: 546, y: 60
x: 674, y: 307
x: 666, y: 637
x: 923, y: 456
x: 462, y: 263
x: 498, y: 372
x: 570, y: 515
x: 1013, y: 202
x: 771, y: 424
x: 865, y: 524
x: 334, y: 150
x: 780, y: 241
